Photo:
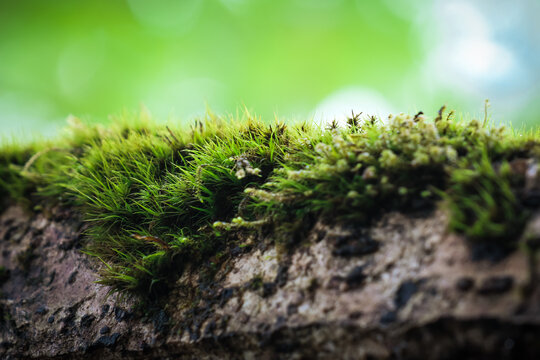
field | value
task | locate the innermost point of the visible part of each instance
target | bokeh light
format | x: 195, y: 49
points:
x: 299, y: 59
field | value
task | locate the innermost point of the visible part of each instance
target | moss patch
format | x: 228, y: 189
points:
x: 157, y: 197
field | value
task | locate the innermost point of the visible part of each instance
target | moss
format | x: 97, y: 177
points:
x: 483, y: 204
x: 157, y: 198
x: 12, y: 159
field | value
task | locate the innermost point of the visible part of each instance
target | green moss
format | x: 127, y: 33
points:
x: 483, y: 203
x: 12, y: 159
x: 157, y: 197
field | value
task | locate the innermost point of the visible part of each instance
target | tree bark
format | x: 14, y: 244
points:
x: 403, y: 288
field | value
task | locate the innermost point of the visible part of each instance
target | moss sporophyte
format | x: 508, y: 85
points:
x: 157, y: 197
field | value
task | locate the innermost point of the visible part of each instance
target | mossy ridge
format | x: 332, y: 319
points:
x: 406, y: 163
x: 151, y: 193
x: 158, y: 197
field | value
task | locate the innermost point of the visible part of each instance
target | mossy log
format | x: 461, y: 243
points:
x: 401, y: 288
x: 402, y: 238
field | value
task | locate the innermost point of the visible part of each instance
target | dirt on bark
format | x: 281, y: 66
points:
x: 403, y: 288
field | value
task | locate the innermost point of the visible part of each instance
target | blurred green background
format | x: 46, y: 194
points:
x: 294, y: 59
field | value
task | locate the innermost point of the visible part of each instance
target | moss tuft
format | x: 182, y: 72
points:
x: 157, y: 197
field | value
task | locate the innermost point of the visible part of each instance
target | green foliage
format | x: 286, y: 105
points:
x: 157, y: 198
x: 405, y: 163
x: 483, y: 204
x: 12, y: 159
x: 150, y: 193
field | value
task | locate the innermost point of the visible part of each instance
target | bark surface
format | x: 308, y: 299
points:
x: 401, y: 289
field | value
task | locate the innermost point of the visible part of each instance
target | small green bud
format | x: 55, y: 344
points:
x: 420, y: 158
x: 451, y: 153
x: 389, y: 159
x: 342, y: 165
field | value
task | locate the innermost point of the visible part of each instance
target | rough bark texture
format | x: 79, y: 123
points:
x: 403, y: 288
